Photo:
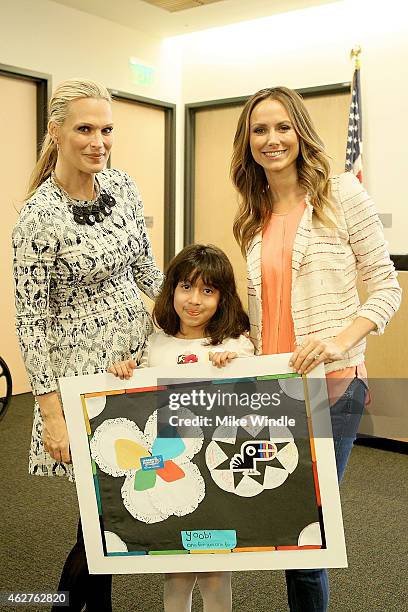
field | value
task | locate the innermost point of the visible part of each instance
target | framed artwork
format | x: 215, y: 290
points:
x: 219, y: 469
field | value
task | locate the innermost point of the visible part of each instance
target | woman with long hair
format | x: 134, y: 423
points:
x: 305, y: 236
x: 81, y: 258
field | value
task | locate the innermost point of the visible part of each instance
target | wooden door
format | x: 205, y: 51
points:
x: 139, y: 150
x: 18, y: 117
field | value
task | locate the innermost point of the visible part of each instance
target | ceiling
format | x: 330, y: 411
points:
x: 179, y: 5
x: 159, y: 22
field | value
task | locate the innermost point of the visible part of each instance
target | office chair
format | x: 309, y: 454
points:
x: 5, y: 377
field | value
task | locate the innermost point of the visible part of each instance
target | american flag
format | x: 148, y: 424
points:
x: 355, y: 137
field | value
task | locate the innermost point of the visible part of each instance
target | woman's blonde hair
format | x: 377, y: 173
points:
x: 58, y: 110
x: 250, y: 180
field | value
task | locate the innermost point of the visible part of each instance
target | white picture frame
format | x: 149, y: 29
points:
x: 333, y: 554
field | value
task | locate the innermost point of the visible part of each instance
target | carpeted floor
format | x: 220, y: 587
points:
x: 39, y: 517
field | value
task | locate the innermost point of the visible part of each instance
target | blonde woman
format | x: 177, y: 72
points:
x: 305, y: 236
x: 82, y: 256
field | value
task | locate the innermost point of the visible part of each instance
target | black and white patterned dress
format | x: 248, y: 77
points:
x: 78, y: 302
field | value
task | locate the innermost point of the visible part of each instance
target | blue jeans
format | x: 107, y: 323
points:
x: 308, y: 590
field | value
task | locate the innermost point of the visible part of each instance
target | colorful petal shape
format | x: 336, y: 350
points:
x: 168, y: 447
x: 144, y: 479
x: 129, y: 453
x: 170, y: 472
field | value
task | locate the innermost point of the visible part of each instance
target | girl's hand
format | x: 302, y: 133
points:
x: 123, y: 369
x: 55, y: 438
x: 221, y: 358
x: 313, y: 351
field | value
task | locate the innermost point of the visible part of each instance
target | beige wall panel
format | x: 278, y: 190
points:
x: 138, y: 149
x: 330, y: 116
x: 387, y: 355
x: 387, y: 367
x: 215, y: 197
x: 17, y: 159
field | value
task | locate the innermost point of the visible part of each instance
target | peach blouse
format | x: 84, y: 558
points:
x: 278, y: 334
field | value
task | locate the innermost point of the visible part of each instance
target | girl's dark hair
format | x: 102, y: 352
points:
x: 214, y: 268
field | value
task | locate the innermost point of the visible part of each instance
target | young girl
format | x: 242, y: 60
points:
x: 201, y: 318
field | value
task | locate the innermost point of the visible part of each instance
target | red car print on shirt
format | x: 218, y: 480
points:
x: 191, y: 358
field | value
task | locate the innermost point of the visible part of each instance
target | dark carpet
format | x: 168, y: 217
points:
x: 39, y: 518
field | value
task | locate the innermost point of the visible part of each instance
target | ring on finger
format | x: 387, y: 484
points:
x: 316, y: 356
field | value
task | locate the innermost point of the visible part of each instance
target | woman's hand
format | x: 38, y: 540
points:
x: 55, y: 438
x: 55, y: 434
x: 313, y: 351
x: 123, y: 369
x: 221, y: 358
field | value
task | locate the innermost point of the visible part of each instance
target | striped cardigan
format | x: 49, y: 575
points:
x: 325, y: 262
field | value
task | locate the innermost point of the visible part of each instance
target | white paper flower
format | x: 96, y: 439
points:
x: 238, y: 473
x: 171, y: 485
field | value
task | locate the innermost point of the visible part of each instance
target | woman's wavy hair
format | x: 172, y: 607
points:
x: 214, y: 268
x: 58, y: 110
x: 249, y: 178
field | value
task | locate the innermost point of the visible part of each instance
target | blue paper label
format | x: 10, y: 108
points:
x: 209, y: 539
x: 152, y: 463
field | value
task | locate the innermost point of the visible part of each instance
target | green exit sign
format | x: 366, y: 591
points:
x: 141, y: 73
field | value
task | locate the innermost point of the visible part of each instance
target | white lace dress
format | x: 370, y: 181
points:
x: 78, y: 300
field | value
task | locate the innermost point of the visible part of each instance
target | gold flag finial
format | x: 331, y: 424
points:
x: 355, y: 53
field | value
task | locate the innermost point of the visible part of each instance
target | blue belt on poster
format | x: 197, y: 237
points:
x: 209, y: 539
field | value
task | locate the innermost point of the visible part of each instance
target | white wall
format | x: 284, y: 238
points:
x: 309, y: 48
x: 64, y: 42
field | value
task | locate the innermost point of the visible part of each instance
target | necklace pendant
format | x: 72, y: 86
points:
x: 108, y: 200
x: 90, y: 219
x: 78, y: 218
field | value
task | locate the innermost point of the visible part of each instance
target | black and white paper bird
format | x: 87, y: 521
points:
x: 252, y: 451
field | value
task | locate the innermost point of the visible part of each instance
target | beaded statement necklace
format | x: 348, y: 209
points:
x: 89, y: 212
